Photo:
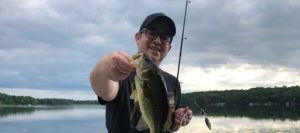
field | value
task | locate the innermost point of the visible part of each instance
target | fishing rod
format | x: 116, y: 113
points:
x: 182, y: 37
x: 207, y: 122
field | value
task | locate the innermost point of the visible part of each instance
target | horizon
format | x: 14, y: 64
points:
x: 84, y: 98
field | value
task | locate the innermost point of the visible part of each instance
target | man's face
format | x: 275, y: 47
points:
x: 156, y: 48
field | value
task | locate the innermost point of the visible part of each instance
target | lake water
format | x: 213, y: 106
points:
x: 91, y: 119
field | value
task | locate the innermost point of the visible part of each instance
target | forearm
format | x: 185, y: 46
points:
x: 107, y: 72
x: 102, y: 85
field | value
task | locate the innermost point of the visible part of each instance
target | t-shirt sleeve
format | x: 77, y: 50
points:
x: 122, y: 89
x: 101, y: 101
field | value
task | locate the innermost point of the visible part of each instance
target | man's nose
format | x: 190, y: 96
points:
x: 158, y: 39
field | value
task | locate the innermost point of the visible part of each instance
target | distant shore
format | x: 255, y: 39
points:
x: 30, y: 101
x: 259, y: 96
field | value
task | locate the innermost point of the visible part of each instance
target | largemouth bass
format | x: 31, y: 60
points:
x: 151, y: 94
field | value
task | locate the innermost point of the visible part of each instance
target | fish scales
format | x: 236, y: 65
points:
x: 151, y: 94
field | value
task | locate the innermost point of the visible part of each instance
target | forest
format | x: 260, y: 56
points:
x: 27, y: 100
x: 259, y: 96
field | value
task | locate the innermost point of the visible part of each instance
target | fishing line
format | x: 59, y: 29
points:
x: 207, y: 122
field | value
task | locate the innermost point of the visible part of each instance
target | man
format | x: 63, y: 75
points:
x: 113, y: 75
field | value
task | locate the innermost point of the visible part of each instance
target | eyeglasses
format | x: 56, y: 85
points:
x: 152, y: 35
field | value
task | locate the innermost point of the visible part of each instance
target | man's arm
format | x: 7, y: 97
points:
x: 107, y: 72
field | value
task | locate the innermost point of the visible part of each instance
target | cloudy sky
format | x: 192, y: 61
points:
x: 48, y: 47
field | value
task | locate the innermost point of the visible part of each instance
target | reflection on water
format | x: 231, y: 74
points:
x: 70, y: 119
x: 15, y: 110
x: 237, y: 119
x: 5, y: 111
x: 91, y: 119
x: 254, y: 112
x: 222, y: 124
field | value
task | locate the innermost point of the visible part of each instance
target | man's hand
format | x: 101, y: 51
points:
x: 107, y: 72
x: 119, y: 66
x: 182, y: 117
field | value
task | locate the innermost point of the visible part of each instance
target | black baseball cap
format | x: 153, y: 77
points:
x: 162, y: 17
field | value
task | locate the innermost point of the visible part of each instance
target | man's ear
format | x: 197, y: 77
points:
x: 137, y: 36
x: 170, y: 46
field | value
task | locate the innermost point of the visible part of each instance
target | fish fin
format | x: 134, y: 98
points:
x: 134, y: 110
x: 142, y: 125
x: 134, y: 93
x: 134, y: 96
x: 169, y: 120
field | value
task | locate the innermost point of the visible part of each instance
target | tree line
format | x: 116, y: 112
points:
x: 288, y: 96
x: 27, y: 100
x: 255, y: 96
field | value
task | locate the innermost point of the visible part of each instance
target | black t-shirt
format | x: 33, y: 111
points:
x: 118, y: 110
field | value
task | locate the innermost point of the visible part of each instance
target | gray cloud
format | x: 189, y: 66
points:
x: 258, y: 32
x: 54, y: 44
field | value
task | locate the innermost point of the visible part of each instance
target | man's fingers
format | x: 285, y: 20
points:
x: 120, y: 66
x: 178, y: 120
x: 127, y: 59
x: 124, y: 66
x: 189, y: 113
x: 183, y: 116
x: 123, y: 54
x: 122, y: 61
